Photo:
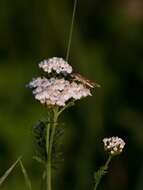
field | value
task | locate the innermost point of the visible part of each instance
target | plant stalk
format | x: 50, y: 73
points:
x: 106, y: 167
x: 49, y: 144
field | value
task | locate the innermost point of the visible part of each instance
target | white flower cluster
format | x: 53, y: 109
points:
x: 55, y: 91
x: 114, y: 145
x: 58, y: 65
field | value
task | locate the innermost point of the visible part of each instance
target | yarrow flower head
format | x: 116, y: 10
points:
x: 58, y: 65
x: 60, y: 86
x: 57, y: 91
x: 113, y: 145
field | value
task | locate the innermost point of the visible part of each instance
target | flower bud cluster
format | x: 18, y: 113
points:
x: 58, y: 65
x: 113, y: 145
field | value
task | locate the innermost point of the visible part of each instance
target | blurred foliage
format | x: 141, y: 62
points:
x: 107, y: 46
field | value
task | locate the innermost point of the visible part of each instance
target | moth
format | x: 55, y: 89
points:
x: 88, y: 83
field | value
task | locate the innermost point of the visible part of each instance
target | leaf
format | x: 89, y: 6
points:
x: 38, y: 159
x: 39, y: 131
x: 101, y: 172
x: 7, y: 173
x: 27, y: 180
x: 57, y: 155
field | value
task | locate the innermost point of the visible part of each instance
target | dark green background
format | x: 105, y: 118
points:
x: 107, y: 46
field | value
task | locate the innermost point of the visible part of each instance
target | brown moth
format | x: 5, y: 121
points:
x: 88, y: 83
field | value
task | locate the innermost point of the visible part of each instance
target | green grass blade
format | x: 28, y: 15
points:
x: 6, y: 174
x: 27, y: 180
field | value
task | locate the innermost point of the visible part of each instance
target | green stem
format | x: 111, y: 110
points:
x: 47, y: 149
x: 105, y: 169
x: 65, y: 107
x: 71, y: 30
x: 49, y: 144
x: 108, y: 161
